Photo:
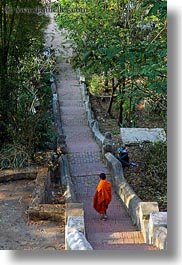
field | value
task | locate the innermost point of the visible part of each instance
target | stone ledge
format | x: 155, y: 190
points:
x: 75, y: 222
x: 145, y: 209
x: 74, y: 209
x: 92, y: 123
x: 156, y: 221
x: 77, y: 241
x: 139, y: 135
x: 39, y: 207
x: 75, y: 234
x: 123, y: 189
x: 66, y: 180
x: 18, y: 174
x: 41, y: 193
x: 115, y: 167
x: 64, y: 170
x: 160, y: 237
x: 75, y: 238
x: 54, y: 212
x: 98, y: 136
x: 145, y: 215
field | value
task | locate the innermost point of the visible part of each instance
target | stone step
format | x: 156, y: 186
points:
x: 128, y: 237
x: 106, y: 246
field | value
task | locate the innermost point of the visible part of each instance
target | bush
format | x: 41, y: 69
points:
x: 149, y: 179
x: 14, y: 156
x: 97, y: 85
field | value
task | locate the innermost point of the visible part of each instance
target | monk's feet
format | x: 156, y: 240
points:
x: 103, y: 217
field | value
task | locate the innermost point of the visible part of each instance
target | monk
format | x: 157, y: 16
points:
x: 103, y: 196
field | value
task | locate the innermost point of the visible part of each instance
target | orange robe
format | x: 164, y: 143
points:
x: 103, y: 196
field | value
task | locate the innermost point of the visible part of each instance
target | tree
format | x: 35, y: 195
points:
x: 125, y: 41
x: 21, y: 43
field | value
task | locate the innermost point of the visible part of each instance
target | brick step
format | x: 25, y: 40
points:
x: 128, y: 237
x: 100, y: 246
x: 119, y: 240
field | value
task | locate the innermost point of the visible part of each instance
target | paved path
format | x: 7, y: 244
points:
x: 85, y: 165
x: 85, y: 161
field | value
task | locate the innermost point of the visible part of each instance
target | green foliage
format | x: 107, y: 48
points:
x: 14, y: 156
x: 26, y: 117
x: 154, y: 174
x: 33, y: 103
x: 97, y: 85
x: 125, y: 39
x: 157, y: 8
x: 149, y: 179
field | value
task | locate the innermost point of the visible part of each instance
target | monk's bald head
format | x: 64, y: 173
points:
x: 102, y: 176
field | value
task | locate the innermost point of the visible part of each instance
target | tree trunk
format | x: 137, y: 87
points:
x: 114, y: 87
x: 112, y: 97
x: 120, y: 118
x: 106, y: 83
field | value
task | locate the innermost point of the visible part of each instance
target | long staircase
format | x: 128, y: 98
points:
x: 85, y: 162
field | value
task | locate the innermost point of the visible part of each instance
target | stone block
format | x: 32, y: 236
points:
x: 66, y: 180
x: 75, y: 222
x: 115, y: 167
x: 139, y: 135
x: 160, y: 238
x: 77, y: 241
x: 99, y: 137
x: 54, y: 212
x: 18, y: 174
x: 157, y: 219
x: 146, y: 208
x: 53, y: 88
x: 41, y: 193
x: 74, y: 209
x: 82, y: 79
x: 107, y: 143
x: 133, y: 210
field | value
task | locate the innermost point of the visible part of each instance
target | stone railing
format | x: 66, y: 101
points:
x: 66, y: 180
x: 64, y: 170
x: 92, y: 123
x: 75, y: 238
x: 145, y: 215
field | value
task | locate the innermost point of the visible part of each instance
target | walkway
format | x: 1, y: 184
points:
x: 86, y: 164
x: 84, y: 156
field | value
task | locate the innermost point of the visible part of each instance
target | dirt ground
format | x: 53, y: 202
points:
x: 19, y: 233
